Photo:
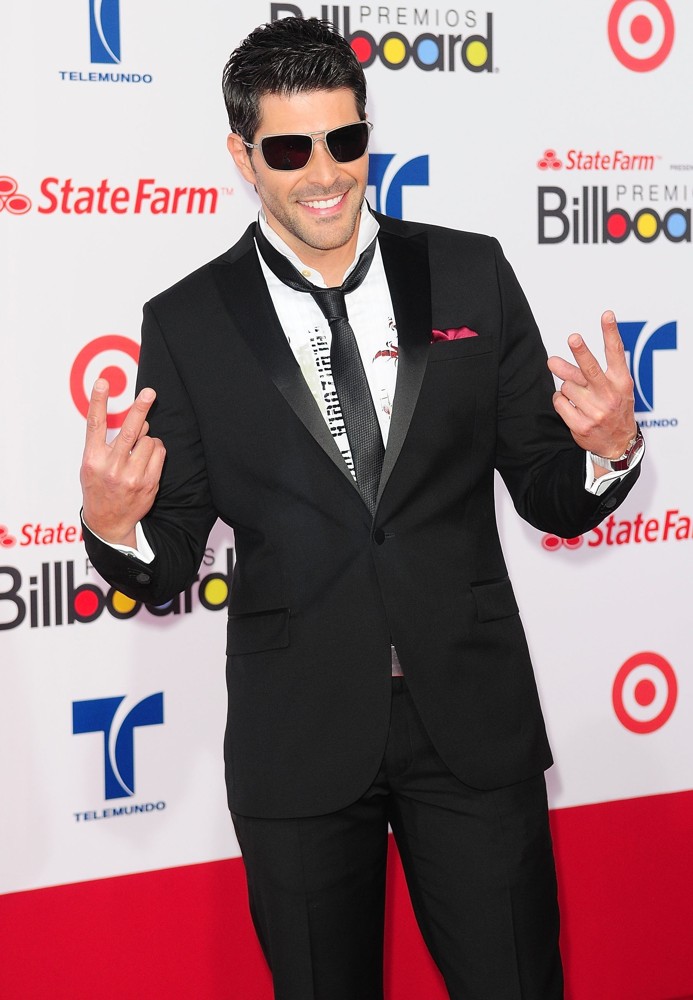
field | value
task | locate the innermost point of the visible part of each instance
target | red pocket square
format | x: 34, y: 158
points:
x: 454, y: 333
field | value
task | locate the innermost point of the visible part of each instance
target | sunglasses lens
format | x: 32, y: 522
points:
x: 287, y: 152
x: 348, y: 143
x: 291, y: 152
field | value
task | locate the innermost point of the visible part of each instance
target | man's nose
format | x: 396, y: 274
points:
x: 322, y: 167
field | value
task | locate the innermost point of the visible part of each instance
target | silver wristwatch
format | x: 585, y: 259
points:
x: 624, y: 461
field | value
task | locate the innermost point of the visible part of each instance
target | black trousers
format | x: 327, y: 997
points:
x: 479, y: 866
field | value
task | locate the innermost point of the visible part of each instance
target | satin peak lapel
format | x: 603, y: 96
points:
x: 249, y: 304
x: 408, y: 276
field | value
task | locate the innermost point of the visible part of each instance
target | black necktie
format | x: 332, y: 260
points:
x: 350, y: 381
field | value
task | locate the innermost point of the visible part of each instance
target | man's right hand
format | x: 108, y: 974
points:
x: 119, y: 479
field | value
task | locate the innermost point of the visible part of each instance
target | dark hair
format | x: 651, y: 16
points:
x: 285, y: 57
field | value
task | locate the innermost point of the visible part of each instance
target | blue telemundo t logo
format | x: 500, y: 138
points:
x: 641, y: 342
x: 98, y: 716
x: 414, y: 173
x: 104, y: 30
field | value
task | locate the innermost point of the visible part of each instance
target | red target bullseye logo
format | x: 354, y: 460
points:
x: 644, y: 693
x: 641, y: 33
x: 111, y: 357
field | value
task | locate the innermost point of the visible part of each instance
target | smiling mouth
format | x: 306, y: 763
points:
x: 323, y: 203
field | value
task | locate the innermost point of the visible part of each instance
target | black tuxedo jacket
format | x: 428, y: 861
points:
x: 320, y: 589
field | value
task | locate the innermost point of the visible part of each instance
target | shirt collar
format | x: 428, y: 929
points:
x: 368, y: 231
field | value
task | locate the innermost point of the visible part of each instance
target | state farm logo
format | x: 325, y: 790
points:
x: 38, y: 533
x: 11, y: 199
x: 114, y: 358
x: 6, y: 539
x: 672, y: 526
x: 552, y: 543
x: 644, y: 693
x: 595, y: 159
x: 549, y: 161
x: 641, y: 33
x: 146, y: 196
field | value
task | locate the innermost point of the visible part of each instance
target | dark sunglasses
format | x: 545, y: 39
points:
x: 291, y: 151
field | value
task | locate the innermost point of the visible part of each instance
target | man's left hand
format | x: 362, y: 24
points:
x: 597, y: 406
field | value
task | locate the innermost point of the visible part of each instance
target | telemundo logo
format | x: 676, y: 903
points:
x: 99, y: 716
x: 104, y: 48
x: 389, y: 186
x: 104, y: 30
x: 641, y: 342
x: 111, y: 718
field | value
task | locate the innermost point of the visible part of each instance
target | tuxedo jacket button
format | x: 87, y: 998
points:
x: 143, y: 578
x: 378, y: 536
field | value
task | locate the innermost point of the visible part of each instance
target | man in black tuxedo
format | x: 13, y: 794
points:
x: 377, y: 668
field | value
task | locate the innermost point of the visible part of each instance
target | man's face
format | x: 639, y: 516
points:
x: 317, y: 206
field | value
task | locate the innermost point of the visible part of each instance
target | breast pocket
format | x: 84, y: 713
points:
x: 464, y: 347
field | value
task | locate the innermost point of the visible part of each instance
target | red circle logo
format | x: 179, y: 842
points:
x: 552, y: 543
x: 11, y: 199
x: 641, y: 33
x: 111, y: 357
x: 6, y: 539
x: 644, y: 693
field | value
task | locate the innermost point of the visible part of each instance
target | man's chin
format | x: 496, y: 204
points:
x: 326, y: 234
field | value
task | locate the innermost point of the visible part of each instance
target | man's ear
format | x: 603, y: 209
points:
x: 241, y: 156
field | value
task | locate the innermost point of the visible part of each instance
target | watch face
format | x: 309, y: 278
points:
x: 625, y: 462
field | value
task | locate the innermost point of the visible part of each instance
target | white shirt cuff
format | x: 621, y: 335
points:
x: 599, y: 484
x: 143, y: 552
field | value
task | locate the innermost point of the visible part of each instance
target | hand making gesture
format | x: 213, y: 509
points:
x: 597, y: 406
x: 119, y: 479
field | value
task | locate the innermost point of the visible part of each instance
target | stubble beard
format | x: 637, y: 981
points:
x: 317, y: 233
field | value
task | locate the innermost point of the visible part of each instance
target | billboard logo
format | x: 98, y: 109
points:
x: 641, y: 33
x: 105, y: 715
x: 644, y: 693
x: 430, y: 50
x: 389, y: 186
x: 589, y: 219
x: 53, y: 598
x: 11, y: 199
x: 111, y: 357
x: 640, y: 345
x: 104, y: 30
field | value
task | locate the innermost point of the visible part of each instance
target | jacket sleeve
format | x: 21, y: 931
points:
x: 541, y: 465
x: 179, y: 522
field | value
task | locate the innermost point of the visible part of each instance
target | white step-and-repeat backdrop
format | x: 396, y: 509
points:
x: 562, y: 129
